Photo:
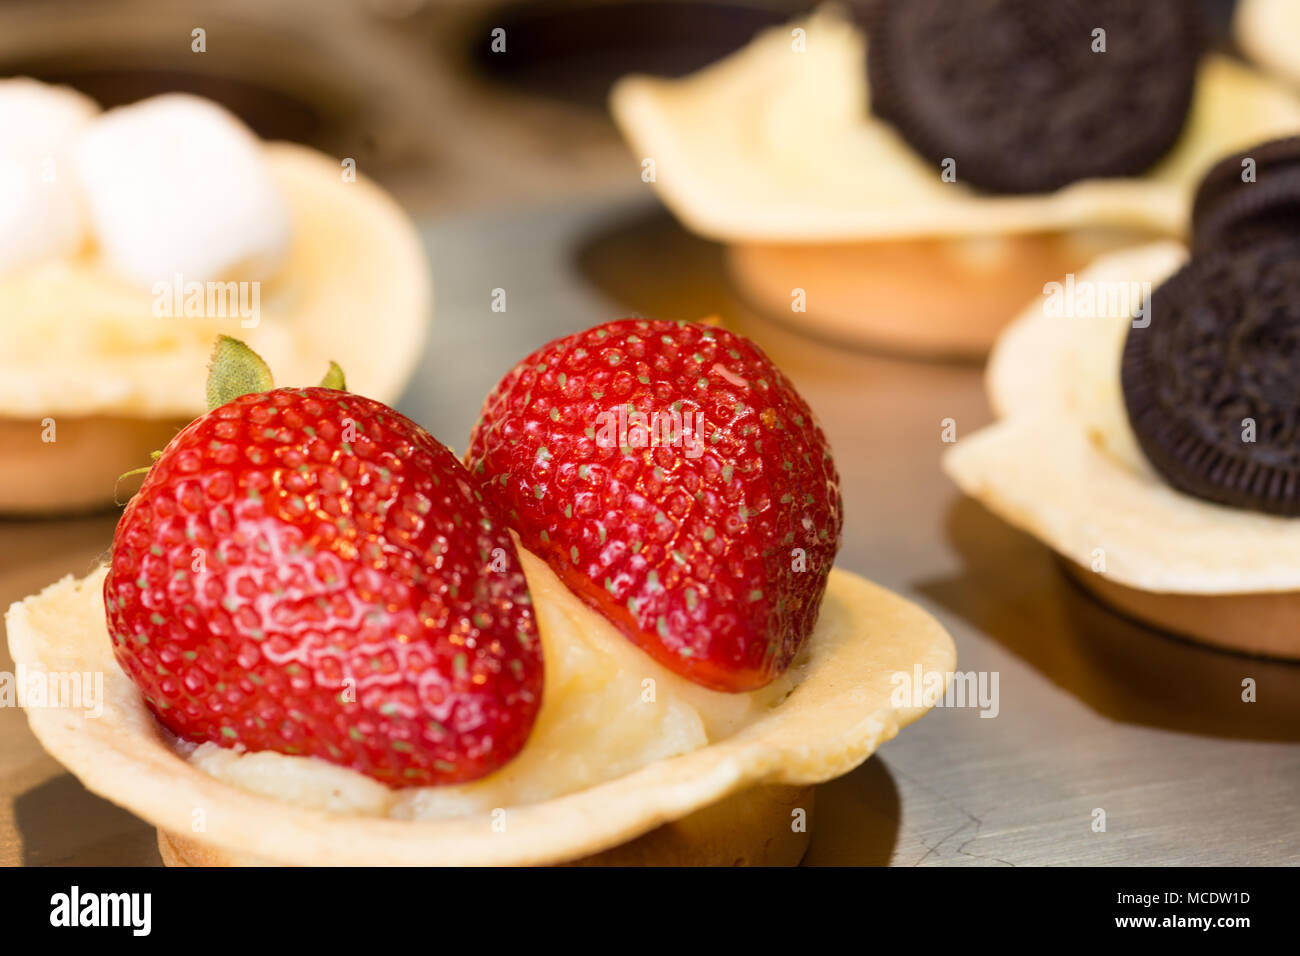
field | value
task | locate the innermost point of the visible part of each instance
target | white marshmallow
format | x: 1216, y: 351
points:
x: 176, y: 184
x: 41, y: 210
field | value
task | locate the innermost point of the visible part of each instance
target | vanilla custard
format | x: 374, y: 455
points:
x: 607, y: 709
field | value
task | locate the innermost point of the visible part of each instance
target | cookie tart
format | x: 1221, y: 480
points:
x: 1155, y: 444
x: 613, y: 634
x: 130, y: 239
x: 907, y: 179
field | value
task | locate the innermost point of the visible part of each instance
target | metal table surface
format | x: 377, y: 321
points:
x: 1094, y: 711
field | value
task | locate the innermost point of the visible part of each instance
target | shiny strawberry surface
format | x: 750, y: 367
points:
x: 307, y: 571
x: 674, y: 479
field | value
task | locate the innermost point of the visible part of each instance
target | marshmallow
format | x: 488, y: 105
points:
x: 41, y: 210
x: 177, y: 185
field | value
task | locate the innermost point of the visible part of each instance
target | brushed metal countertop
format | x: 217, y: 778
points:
x: 1095, y: 711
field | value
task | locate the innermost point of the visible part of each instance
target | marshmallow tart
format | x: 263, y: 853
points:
x: 130, y: 238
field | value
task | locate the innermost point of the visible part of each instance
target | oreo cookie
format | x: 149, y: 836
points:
x: 1228, y: 210
x: 1212, y: 384
x: 1013, y: 91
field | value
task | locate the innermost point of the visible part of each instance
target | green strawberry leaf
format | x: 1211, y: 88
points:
x: 334, y: 378
x: 235, y: 370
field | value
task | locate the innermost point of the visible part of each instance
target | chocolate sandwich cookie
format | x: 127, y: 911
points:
x: 1019, y: 93
x: 1230, y: 210
x: 1212, y: 383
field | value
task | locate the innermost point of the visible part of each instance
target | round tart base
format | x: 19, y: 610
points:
x: 750, y: 828
x: 1262, y: 624
x: 79, y: 469
x: 933, y: 298
x: 731, y: 800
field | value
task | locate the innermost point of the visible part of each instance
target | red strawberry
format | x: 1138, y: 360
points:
x: 310, y: 572
x: 708, y: 548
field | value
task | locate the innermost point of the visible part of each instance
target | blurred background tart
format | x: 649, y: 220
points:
x: 829, y: 197
x: 152, y: 228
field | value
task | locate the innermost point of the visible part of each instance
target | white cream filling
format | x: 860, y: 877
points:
x: 177, y: 185
x: 42, y: 213
x: 1096, y: 394
x: 169, y: 190
x: 607, y: 709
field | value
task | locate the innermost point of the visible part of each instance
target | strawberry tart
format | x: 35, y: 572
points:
x: 613, y: 632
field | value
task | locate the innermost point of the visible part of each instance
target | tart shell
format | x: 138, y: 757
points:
x: 748, y: 828
x: 834, y: 718
x: 78, y: 471
x: 1261, y: 624
x: 932, y: 298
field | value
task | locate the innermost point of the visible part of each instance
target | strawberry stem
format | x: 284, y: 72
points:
x: 236, y: 370
x: 153, y: 456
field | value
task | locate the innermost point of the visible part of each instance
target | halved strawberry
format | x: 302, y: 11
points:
x: 673, y: 478
x: 310, y: 572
